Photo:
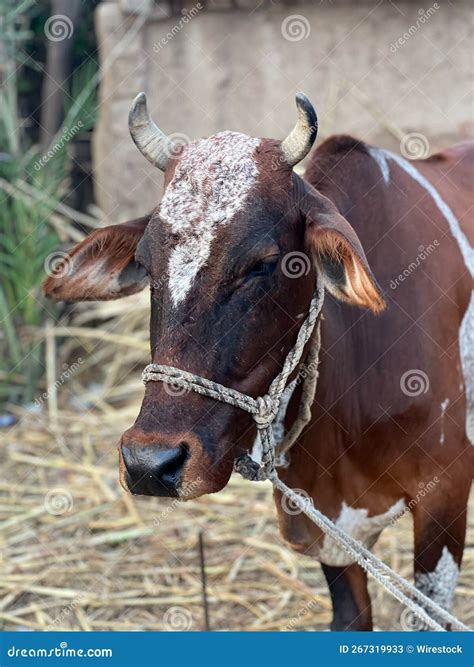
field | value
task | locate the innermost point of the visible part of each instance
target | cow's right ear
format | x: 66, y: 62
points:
x: 101, y: 267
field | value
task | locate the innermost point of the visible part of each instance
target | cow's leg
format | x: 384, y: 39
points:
x: 439, y: 543
x: 350, y: 597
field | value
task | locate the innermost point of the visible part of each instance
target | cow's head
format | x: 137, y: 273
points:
x: 232, y: 255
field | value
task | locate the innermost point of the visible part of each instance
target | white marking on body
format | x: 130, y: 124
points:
x: 444, y: 407
x: 466, y: 330
x: 256, y: 452
x: 440, y: 585
x: 381, y: 158
x: 362, y: 527
x: 464, y: 246
x: 466, y: 349
x: 278, y: 424
x: 210, y: 185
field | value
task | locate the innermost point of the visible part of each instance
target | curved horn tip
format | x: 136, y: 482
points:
x: 155, y: 146
x: 137, y: 108
x: 303, y: 103
x: 139, y: 99
x: 298, y: 143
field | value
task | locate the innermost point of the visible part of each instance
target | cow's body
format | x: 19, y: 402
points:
x: 388, y: 429
x: 373, y: 450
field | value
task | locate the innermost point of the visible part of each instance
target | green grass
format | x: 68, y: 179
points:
x: 26, y: 236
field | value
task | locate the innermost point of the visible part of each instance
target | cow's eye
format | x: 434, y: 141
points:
x: 263, y: 267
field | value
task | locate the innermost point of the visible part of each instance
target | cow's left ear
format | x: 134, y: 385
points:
x: 338, y: 253
x: 101, y: 267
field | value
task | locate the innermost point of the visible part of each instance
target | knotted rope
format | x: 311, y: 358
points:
x: 264, y: 410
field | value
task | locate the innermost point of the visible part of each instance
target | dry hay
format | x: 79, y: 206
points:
x: 79, y: 553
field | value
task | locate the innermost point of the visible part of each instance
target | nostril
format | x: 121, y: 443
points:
x: 169, y: 464
x: 153, y: 469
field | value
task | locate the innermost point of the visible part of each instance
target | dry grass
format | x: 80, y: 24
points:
x: 78, y: 553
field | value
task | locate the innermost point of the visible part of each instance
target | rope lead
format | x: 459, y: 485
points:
x: 264, y: 410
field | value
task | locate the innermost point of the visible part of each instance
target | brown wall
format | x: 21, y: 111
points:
x: 236, y: 70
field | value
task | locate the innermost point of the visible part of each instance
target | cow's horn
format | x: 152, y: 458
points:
x: 298, y: 143
x: 149, y: 139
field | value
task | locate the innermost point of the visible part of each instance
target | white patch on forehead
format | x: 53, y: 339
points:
x: 210, y: 185
x: 466, y: 331
x: 356, y: 522
x: 440, y: 584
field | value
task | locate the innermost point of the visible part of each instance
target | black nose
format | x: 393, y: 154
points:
x: 153, y: 470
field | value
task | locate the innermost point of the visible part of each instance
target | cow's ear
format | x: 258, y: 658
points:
x: 101, y: 267
x: 338, y: 253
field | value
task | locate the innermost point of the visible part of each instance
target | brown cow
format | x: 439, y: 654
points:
x: 388, y: 429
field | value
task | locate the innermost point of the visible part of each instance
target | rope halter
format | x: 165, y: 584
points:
x: 263, y: 409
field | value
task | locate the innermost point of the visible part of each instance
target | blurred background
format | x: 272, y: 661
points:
x: 77, y: 552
